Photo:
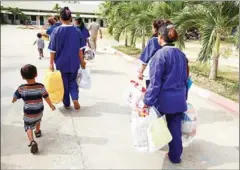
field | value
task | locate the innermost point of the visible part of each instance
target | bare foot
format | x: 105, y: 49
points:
x: 76, y: 105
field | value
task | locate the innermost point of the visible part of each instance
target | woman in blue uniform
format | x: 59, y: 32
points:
x: 151, y: 48
x: 50, y: 29
x: 66, y: 46
x: 168, y: 87
x: 85, y: 33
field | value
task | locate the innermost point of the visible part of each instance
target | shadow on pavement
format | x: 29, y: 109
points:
x: 203, y: 154
x: 106, y: 72
x: 97, y: 110
x: 88, y: 111
x: 206, y: 116
x: 15, y: 142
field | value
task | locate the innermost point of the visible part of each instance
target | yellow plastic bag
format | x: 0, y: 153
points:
x: 54, y: 85
x: 45, y: 38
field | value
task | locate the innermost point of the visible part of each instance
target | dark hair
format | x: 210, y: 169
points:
x: 157, y: 23
x: 39, y: 35
x: 168, y: 32
x: 65, y: 14
x: 55, y: 18
x: 51, y: 21
x: 28, y: 72
x: 94, y: 19
x: 80, y: 22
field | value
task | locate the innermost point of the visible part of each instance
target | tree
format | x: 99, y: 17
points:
x: 127, y: 17
x: 14, y: 12
x: 214, y: 20
x: 56, y: 8
x: 78, y: 14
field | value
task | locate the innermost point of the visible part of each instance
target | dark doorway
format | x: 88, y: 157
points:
x: 41, y: 20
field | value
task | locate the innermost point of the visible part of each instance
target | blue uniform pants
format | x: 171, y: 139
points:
x: 70, y: 87
x: 174, y: 123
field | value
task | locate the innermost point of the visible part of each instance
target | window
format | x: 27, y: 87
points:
x: 33, y: 18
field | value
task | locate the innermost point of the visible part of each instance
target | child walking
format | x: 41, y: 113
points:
x: 32, y: 94
x: 40, y: 45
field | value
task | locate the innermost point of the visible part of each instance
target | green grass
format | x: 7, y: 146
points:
x: 132, y: 51
x: 226, y: 85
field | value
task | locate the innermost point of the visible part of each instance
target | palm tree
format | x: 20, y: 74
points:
x: 56, y: 8
x: 214, y: 20
x: 128, y: 17
x: 14, y: 12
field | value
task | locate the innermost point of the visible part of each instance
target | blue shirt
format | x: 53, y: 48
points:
x: 57, y: 24
x: 168, y: 81
x: 151, y: 48
x: 50, y: 30
x: 66, y: 41
x: 85, y: 34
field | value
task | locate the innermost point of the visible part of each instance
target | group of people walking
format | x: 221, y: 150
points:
x: 66, y: 44
x: 165, y: 69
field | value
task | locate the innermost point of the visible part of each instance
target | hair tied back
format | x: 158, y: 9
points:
x: 68, y: 12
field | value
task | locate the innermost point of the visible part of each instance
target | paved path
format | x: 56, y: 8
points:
x: 98, y: 137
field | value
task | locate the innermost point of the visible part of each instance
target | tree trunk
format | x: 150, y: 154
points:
x: 14, y: 16
x: 134, y: 40
x: 126, y: 38
x: 216, y: 55
x: 143, y: 39
x: 131, y: 38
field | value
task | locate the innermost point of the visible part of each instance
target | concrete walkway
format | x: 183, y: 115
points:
x: 99, y: 137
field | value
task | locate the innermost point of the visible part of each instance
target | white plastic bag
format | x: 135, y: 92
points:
x: 139, y: 129
x: 189, y: 125
x: 133, y: 94
x: 89, y: 54
x: 84, y: 78
x: 149, y: 133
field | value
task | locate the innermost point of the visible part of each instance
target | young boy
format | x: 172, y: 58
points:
x: 40, y: 44
x: 32, y: 94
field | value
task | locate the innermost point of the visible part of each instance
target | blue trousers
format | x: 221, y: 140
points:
x: 70, y: 88
x: 174, y: 123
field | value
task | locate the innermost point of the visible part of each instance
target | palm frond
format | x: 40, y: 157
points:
x: 208, y: 38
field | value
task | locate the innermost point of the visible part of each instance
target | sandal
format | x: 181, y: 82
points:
x: 38, y: 134
x: 34, y: 147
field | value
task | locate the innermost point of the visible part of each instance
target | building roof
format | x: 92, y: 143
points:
x: 49, y: 5
x: 50, y: 14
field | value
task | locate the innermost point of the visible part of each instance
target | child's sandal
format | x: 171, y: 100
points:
x: 34, y: 147
x: 38, y: 134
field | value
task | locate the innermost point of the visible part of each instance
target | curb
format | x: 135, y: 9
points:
x: 206, y: 94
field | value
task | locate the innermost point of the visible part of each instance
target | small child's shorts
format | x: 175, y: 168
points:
x: 40, y: 50
x: 30, y: 125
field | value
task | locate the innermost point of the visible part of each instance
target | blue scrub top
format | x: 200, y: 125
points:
x: 151, y: 48
x: 66, y: 41
x: 57, y: 24
x: 50, y: 30
x: 85, y: 34
x: 168, y: 81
